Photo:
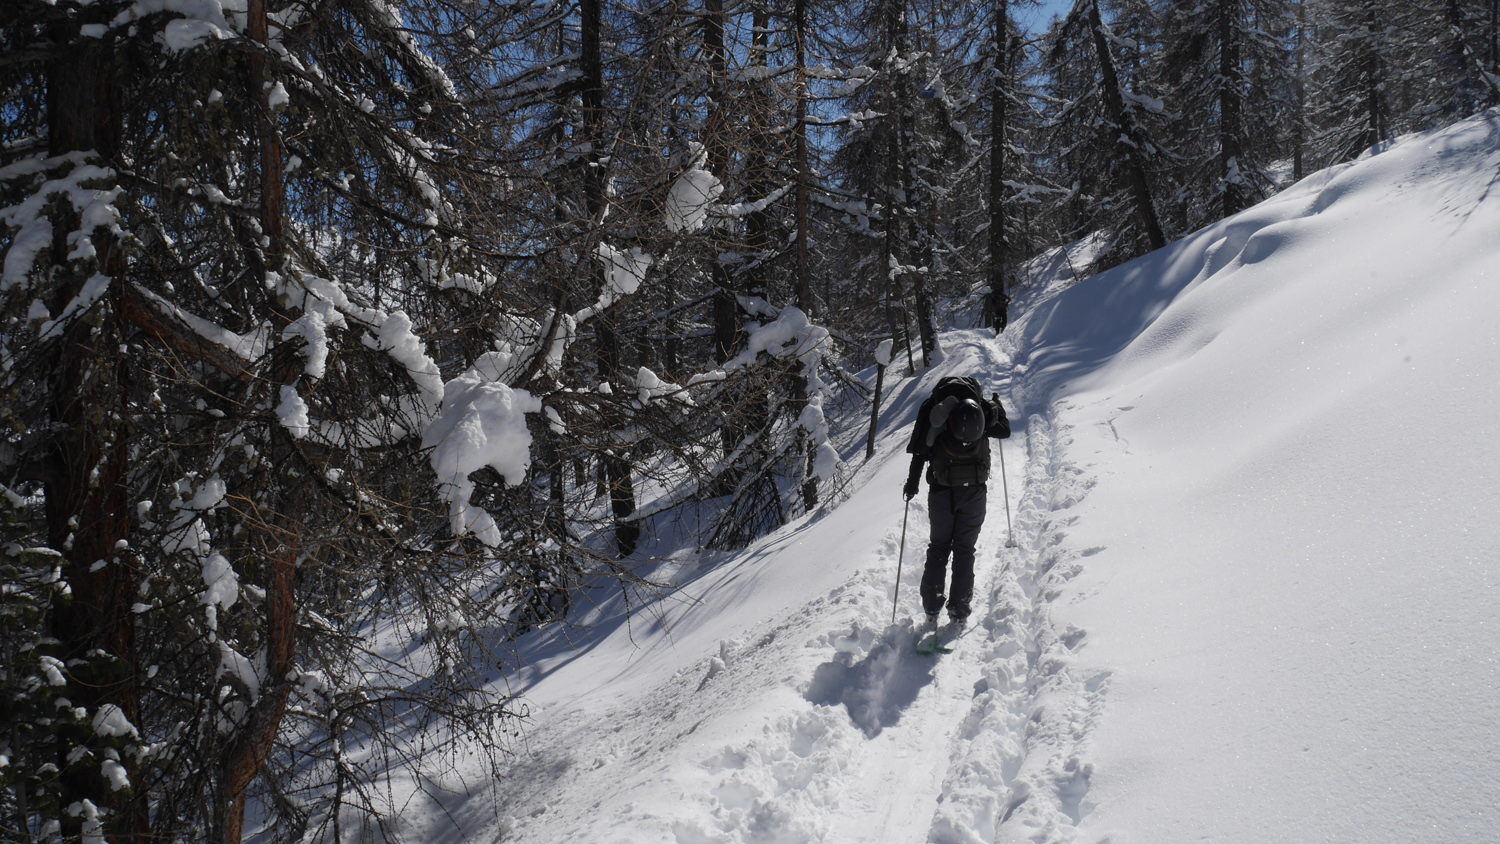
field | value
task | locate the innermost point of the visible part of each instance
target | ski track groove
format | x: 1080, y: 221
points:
x: 1007, y: 719
x: 995, y: 747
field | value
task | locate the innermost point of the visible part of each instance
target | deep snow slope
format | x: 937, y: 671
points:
x: 1287, y: 554
x: 1252, y: 595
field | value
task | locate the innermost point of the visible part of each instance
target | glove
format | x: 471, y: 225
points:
x: 910, y: 490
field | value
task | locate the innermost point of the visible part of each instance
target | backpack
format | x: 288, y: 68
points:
x: 952, y: 463
x: 962, y: 386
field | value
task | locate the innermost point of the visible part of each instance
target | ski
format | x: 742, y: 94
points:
x: 938, y: 640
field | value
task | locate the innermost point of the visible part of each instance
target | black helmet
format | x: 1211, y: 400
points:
x: 966, y: 422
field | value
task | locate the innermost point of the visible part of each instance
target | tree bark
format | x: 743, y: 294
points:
x: 87, y: 497
x: 617, y: 467
x: 999, y: 298
x: 716, y: 145
x: 281, y: 546
x: 280, y: 532
x: 1127, y: 140
x: 1231, y: 151
x: 875, y: 410
x: 1299, y: 104
x: 804, y: 282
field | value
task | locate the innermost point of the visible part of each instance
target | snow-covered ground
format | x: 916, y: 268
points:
x: 1254, y: 484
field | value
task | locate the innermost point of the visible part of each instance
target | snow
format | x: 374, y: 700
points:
x: 88, y: 296
x: 234, y: 664
x: 1237, y: 582
x: 691, y: 195
x: 114, y: 773
x: 277, y: 98
x: 33, y: 236
x: 110, y: 722
x: 292, y: 412
x: 52, y: 668
x: 223, y: 584
x: 624, y: 272
x: 34, y: 231
x: 396, y: 338
x: 1289, y: 578
x: 482, y: 423
x: 184, y: 34
x: 248, y: 347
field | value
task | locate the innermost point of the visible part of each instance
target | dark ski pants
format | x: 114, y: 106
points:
x: 957, y: 513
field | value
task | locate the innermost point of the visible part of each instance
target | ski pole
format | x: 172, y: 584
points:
x: 900, y: 555
x: 1010, y: 533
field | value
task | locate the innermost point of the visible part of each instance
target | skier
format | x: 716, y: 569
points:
x: 952, y: 434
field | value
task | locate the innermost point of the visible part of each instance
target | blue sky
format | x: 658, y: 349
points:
x: 1036, y: 18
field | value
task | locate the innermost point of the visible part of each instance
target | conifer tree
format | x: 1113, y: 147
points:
x: 1229, y: 71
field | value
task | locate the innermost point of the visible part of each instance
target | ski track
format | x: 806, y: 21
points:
x: 996, y: 750
x: 987, y: 744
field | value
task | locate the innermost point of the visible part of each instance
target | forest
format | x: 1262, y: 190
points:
x: 326, y: 317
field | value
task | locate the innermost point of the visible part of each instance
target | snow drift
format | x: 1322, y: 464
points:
x: 1288, y: 422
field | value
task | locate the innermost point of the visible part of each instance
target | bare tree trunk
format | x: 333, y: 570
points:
x: 85, y: 479
x: 804, y: 283
x: 875, y: 410
x: 716, y: 145
x: 999, y: 299
x: 1114, y: 103
x: 1492, y: 47
x: 281, y: 546
x: 617, y: 468
x: 1299, y: 93
x: 1230, y: 130
x: 897, y: 224
x: 280, y: 532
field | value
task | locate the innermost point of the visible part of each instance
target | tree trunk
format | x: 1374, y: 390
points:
x: 617, y: 468
x: 281, y: 532
x: 716, y: 145
x: 875, y: 410
x: 804, y: 282
x: 87, y: 498
x: 999, y: 298
x: 1127, y: 140
x: 281, y: 546
x: 1231, y: 151
x: 1299, y: 94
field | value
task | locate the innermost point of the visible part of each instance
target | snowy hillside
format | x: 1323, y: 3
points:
x: 1253, y: 596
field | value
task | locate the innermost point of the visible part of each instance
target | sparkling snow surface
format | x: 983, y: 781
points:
x: 1255, y: 490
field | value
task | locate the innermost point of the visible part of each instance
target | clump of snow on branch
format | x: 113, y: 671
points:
x: 292, y: 413
x: 690, y: 196
x: 110, y: 722
x: 32, y: 230
x: 93, y: 290
x: 482, y: 423
x: 223, y: 585
x: 325, y: 306
x: 624, y: 271
x: 651, y: 386
x: 792, y: 335
x: 395, y: 337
